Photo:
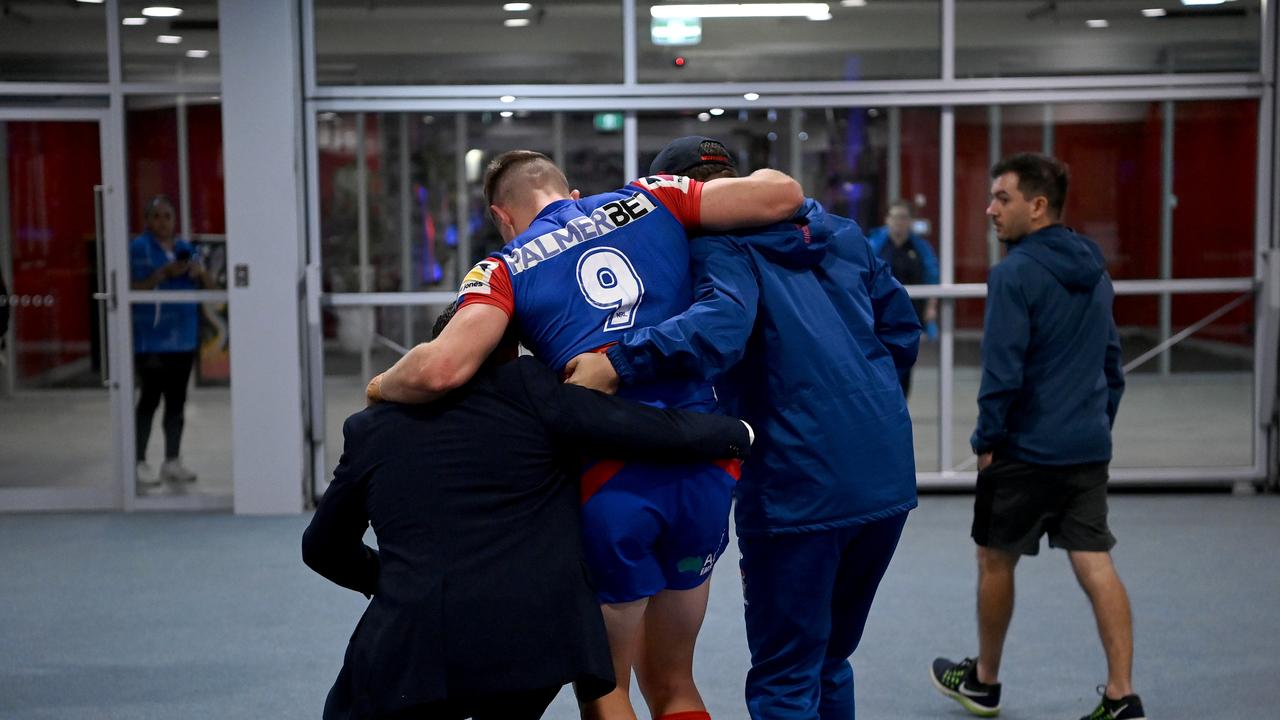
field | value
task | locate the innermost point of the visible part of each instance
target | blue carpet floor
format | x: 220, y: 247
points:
x: 214, y: 616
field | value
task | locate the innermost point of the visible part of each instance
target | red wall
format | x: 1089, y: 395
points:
x: 1115, y: 199
x: 53, y: 167
x: 153, y: 165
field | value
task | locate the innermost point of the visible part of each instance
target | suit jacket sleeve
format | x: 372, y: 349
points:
x: 333, y: 544
x: 584, y: 420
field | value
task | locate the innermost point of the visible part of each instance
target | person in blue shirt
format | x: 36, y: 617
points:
x: 803, y: 329
x: 913, y: 262
x: 165, y: 338
x: 1051, y: 386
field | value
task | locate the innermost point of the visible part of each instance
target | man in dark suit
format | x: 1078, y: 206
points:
x: 481, y: 604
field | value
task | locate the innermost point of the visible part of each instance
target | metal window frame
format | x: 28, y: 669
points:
x: 945, y: 92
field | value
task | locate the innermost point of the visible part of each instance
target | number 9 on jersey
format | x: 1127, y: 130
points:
x: 609, y: 282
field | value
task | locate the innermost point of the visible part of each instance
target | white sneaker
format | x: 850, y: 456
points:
x: 146, y: 476
x: 173, y: 471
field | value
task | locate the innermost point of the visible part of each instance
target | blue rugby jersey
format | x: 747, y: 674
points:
x: 588, y: 270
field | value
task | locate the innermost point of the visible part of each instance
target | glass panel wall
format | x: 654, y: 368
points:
x: 850, y: 41
x: 42, y: 41
x: 1211, y: 372
x: 1113, y: 151
x: 181, y: 48
x: 181, y: 358
x: 1009, y: 38
x: 445, y: 42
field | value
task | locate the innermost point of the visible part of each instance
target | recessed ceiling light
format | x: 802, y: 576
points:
x: 508, y: 98
x: 516, y: 22
x: 1154, y: 12
x: 1097, y: 23
x: 853, y: 3
x: 506, y: 113
x: 813, y: 11
x: 169, y: 39
x: 717, y: 111
x: 517, y: 7
x: 197, y: 53
x: 704, y: 116
x: 751, y: 96
x: 161, y: 11
x: 134, y: 21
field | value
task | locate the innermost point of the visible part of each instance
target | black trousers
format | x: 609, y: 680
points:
x: 524, y: 705
x: 161, y: 375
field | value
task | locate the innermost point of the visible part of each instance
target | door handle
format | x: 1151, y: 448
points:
x: 106, y: 291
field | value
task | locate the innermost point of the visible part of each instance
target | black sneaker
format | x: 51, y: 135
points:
x: 959, y: 681
x: 1128, y: 707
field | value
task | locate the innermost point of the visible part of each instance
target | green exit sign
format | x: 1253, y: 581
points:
x: 675, y: 31
x: 607, y: 122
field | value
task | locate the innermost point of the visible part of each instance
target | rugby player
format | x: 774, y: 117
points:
x: 575, y: 274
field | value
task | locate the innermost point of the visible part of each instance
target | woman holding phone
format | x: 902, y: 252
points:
x: 165, y: 338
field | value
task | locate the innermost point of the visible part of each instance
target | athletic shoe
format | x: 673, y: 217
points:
x: 145, y: 476
x: 1128, y: 707
x: 959, y: 681
x: 173, y: 471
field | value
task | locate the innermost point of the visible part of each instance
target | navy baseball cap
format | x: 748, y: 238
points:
x: 683, y: 154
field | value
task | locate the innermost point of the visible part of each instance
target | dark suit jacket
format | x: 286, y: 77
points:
x: 478, y: 582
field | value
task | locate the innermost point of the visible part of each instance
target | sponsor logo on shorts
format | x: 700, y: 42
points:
x: 697, y: 563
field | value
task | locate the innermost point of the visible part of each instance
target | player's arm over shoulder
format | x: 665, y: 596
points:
x: 761, y: 198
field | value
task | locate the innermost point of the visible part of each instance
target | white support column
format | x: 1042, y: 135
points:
x: 947, y: 265
x: 184, y: 170
x: 365, y: 315
x: 630, y: 147
x: 1167, y: 203
x: 994, y: 142
x: 406, y: 232
x: 463, y: 193
x: 8, y: 375
x: 796, y: 165
x: 262, y: 147
x: 895, y: 154
x: 1046, y: 139
x: 557, y: 138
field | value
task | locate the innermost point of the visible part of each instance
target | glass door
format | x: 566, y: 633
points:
x: 59, y: 398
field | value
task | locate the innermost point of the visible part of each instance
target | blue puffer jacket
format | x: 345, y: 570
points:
x: 802, y: 329
x: 1051, y: 374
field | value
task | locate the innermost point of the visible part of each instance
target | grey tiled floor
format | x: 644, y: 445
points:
x: 214, y: 616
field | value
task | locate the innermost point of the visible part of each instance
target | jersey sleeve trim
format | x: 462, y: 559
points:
x: 488, y: 283
x: 680, y: 195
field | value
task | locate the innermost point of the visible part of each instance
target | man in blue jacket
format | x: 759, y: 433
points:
x: 913, y: 262
x: 803, y: 329
x: 1051, y: 384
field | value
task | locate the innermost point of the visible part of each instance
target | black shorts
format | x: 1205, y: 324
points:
x: 1018, y: 502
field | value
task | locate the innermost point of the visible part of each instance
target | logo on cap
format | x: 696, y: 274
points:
x: 712, y: 151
